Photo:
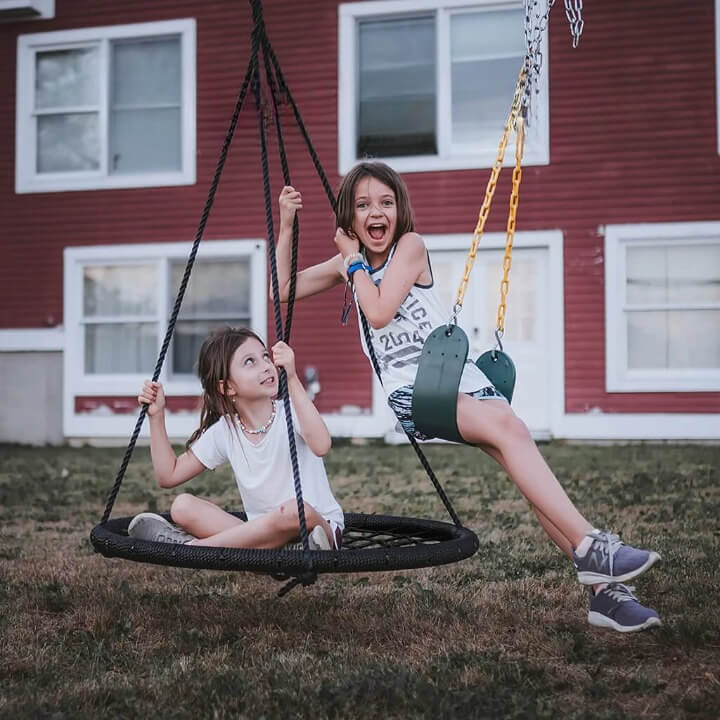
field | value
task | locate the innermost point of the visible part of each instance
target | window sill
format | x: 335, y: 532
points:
x: 692, y: 381
x: 68, y: 184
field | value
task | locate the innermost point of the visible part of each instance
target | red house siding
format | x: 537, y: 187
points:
x: 633, y: 139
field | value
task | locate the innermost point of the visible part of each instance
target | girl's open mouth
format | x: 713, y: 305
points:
x: 377, y: 231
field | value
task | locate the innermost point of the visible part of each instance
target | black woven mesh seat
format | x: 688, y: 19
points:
x: 370, y: 543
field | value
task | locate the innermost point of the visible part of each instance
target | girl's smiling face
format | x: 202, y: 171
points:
x: 253, y: 374
x: 375, y: 216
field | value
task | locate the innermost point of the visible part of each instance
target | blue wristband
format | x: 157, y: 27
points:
x: 354, y: 267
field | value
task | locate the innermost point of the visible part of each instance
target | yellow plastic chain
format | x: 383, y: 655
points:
x: 512, y: 219
x: 512, y: 122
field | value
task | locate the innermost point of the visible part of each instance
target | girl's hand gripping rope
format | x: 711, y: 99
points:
x: 284, y: 357
x: 290, y: 202
x: 152, y: 395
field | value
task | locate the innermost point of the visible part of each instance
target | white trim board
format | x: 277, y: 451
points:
x: 32, y: 340
x: 628, y: 426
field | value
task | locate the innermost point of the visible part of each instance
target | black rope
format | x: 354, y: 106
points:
x: 284, y: 90
x: 181, y: 292
x: 257, y: 90
x: 278, y: 89
x: 275, y: 95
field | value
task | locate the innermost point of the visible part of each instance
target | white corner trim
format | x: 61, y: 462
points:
x: 33, y: 340
x: 717, y: 72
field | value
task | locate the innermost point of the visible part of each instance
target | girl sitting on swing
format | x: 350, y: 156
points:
x: 387, y: 264
x: 244, y: 424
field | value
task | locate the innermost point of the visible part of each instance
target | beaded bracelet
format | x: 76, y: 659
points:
x: 352, y: 258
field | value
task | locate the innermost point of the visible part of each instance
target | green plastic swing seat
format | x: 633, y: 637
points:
x: 499, y: 370
x: 443, y: 357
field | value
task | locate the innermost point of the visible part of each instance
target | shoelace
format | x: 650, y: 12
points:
x: 620, y: 593
x: 608, y: 544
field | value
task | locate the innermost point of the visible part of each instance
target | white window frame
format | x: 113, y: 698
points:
x: 27, y: 180
x: 618, y: 377
x: 537, y: 149
x: 76, y: 382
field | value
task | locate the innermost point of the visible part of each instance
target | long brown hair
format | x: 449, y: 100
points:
x: 213, y: 368
x: 386, y: 175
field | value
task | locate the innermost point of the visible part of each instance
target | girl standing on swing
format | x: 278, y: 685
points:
x: 387, y: 264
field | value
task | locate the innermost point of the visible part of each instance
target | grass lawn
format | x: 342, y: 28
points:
x: 501, y: 635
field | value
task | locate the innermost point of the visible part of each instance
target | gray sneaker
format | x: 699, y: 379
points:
x: 155, y: 528
x: 616, y: 607
x: 317, y: 540
x: 609, y: 560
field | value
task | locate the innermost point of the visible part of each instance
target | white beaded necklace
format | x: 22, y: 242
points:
x: 262, y: 429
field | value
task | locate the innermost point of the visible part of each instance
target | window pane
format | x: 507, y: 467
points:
x: 396, y: 114
x: 66, y: 78
x: 677, y: 339
x: 145, y: 140
x: 189, y: 336
x: 217, y: 288
x: 673, y: 274
x: 146, y: 72
x: 487, y: 50
x: 120, y: 348
x: 217, y: 295
x: 119, y: 290
x: 67, y: 143
x: 646, y: 275
x: 495, y: 33
x: 693, y: 273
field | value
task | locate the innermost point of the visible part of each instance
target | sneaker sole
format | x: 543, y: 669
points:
x: 319, y: 538
x: 603, y: 621
x: 593, y: 578
x: 141, y: 517
x: 170, y: 535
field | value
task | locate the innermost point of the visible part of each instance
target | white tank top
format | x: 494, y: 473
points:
x: 399, y: 344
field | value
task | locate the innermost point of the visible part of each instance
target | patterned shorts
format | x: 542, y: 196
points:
x: 400, y: 402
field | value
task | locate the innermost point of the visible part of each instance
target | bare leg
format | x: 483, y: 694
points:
x: 492, y: 423
x: 555, y: 535
x: 199, y: 517
x: 216, y: 528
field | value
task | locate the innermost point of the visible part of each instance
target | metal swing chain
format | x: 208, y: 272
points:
x: 573, y: 12
x: 518, y: 118
x: 490, y: 191
x: 510, y: 230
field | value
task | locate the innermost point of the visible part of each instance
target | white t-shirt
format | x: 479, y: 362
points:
x: 263, y: 472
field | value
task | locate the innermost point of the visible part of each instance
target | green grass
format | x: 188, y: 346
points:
x: 501, y: 635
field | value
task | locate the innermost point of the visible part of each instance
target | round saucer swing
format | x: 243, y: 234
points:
x: 370, y: 542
